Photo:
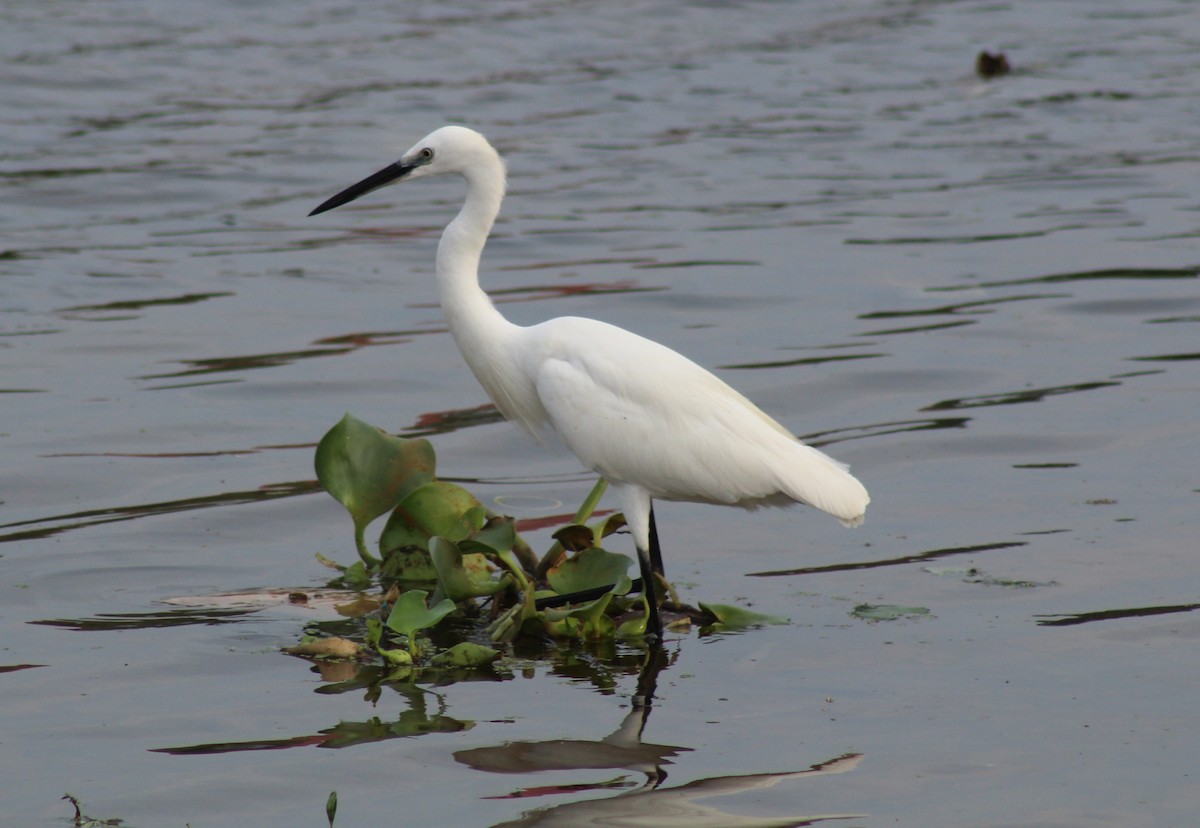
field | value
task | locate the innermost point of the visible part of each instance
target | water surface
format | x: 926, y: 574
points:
x: 983, y: 295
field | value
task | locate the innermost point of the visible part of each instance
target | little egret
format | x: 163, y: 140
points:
x: 649, y: 420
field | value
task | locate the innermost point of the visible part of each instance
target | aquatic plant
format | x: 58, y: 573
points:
x: 443, y: 554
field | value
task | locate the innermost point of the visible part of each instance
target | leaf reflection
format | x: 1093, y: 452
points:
x: 1121, y: 273
x: 106, y: 622
x: 140, y: 304
x: 979, y: 306
x: 818, y: 360
x: 324, y: 347
x: 416, y: 721
x: 536, y: 293
x: 1189, y: 357
x: 1109, y: 615
x: 1016, y: 397
x: 932, y: 326
x: 216, y: 365
x: 931, y: 555
x: 444, y: 422
x: 341, y: 735
x: 116, y: 514
x: 837, y: 435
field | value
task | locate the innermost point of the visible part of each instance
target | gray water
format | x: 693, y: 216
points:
x: 981, y: 294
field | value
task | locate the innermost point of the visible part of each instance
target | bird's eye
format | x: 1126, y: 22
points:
x: 426, y: 154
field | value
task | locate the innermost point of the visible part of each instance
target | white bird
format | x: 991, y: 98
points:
x: 652, y: 422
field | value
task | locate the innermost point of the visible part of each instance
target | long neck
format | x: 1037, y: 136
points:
x: 486, y: 339
x: 466, y: 306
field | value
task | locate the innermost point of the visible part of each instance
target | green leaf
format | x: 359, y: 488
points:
x: 738, y: 618
x: 887, y: 612
x: 409, y: 614
x: 506, y: 627
x: 599, y: 627
x: 583, y: 611
x: 369, y: 471
x: 591, y: 568
x: 374, y: 639
x: 563, y: 628
x: 435, y: 508
x: 396, y: 658
x: 355, y: 576
x: 463, y: 576
x: 499, y: 534
x: 575, y: 538
x: 634, y: 627
x: 374, y: 633
x: 465, y: 654
x: 555, y: 552
x: 331, y: 808
x: 592, y: 622
x: 603, y: 528
x: 410, y: 563
x: 509, y: 558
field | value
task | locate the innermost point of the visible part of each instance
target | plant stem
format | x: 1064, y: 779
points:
x: 591, y: 501
x: 585, y: 511
x: 360, y: 543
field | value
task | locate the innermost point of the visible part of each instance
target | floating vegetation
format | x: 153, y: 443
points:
x: 887, y: 612
x: 444, y: 560
x: 82, y: 820
x: 974, y: 575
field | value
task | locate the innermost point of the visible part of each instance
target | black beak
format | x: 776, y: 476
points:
x: 390, y: 173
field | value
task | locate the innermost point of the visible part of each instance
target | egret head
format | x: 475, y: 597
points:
x: 450, y: 149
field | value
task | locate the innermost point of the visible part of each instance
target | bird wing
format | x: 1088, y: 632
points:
x: 637, y: 412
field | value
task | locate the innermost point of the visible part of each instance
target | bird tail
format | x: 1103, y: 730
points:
x: 815, y: 478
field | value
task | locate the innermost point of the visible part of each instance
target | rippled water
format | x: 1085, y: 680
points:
x: 982, y: 294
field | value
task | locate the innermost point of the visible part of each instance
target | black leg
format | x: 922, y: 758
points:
x: 656, y: 566
x: 656, y: 561
x: 650, y: 591
x: 647, y: 686
x: 650, y: 564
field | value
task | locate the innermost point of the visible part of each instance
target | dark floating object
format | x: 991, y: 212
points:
x: 988, y: 65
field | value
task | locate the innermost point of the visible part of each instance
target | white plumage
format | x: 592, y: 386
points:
x: 655, y: 424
